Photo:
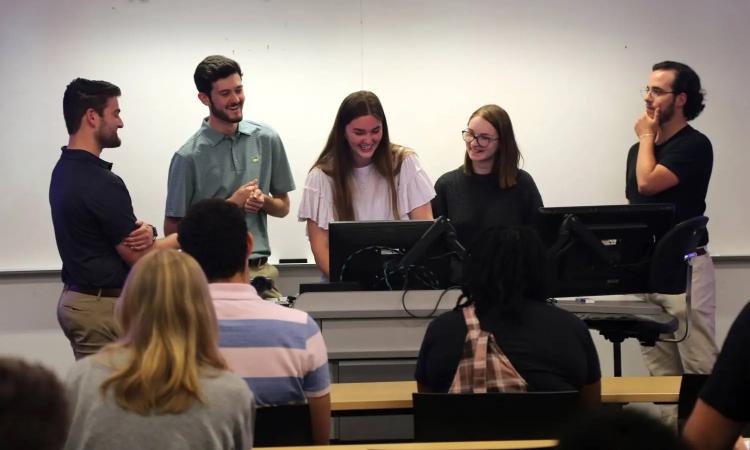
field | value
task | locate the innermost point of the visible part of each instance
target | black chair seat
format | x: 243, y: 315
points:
x: 281, y: 426
x: 492, y: 416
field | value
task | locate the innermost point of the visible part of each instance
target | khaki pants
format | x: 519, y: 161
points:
x: 272, y: 273
x: 698, y: 352
x: 87, y: 321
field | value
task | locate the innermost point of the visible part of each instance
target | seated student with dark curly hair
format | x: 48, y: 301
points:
x: 544, y: 348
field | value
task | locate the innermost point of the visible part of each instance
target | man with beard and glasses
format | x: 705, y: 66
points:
x: 671, y: 163
x: 241, y: 161
x: 97, y: 234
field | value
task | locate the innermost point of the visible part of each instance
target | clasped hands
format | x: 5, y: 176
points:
x: 249, y: 197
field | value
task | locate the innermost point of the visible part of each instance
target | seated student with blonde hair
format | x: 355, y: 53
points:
x: 164, y: 384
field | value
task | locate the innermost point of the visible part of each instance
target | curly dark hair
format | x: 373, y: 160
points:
x: 687, y: 81
x: 505, y: 268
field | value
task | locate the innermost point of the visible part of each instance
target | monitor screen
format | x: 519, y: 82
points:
x: 602, y: 250
x: 369, y: 252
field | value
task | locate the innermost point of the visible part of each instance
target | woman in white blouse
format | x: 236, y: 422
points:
x: 361, y: 175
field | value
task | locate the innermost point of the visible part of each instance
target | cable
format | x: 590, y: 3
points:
x: 431, y: 313
x: 349, y: 258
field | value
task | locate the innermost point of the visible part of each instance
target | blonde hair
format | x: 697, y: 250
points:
x: 170, y: 334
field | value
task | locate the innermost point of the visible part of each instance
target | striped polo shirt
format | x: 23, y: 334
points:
x: 279, y: 351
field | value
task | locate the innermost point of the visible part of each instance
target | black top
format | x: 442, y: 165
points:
x: 728, y: 387
x: 689, y: 155
x: 92, y: 213
x: 475, y: 202
x: 550, y: 347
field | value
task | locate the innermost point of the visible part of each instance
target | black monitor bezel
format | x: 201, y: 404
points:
x: 638, y: 228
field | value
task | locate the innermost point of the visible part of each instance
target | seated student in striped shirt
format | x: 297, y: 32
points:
x: 279, y: 351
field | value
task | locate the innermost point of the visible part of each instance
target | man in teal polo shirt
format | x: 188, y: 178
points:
x: 238, y: 160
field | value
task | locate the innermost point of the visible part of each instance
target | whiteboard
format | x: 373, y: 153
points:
x: 568, y: 73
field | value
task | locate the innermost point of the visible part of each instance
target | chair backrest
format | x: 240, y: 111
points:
x: 668, y: 270
x: 492, y: 416
x: 280, y: 426
x: 690, y: 387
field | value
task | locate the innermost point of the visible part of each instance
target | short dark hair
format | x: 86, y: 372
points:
x: 212, y: 68
x: 214, y: 232
x: 687, y: 81
x: 33, y: 407
x: 82, y: 94
x: 616, y: 429
x: 505, y: 267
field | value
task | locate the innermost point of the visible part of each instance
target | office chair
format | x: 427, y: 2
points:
x: 671, y: 269
x: 282, y: 426
x: 670, y: 272
x: 492, y: 416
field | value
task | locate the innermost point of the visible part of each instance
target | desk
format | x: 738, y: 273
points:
x: 373, y: 324
x: 641, y: 389
x: 476, y: 445
x: 395, y: 396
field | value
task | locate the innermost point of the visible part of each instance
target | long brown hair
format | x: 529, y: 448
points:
x: 508, y: 156
x: 337, y: 162
x: 170, y: 335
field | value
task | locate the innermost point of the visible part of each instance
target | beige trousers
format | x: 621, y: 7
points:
x: 272, y: 273
x: 698, y: 352
x: 87, y: 321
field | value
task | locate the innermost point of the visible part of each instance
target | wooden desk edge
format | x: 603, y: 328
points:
x: 661, y: 390
x: 466, y: 445
x: 365, y: 405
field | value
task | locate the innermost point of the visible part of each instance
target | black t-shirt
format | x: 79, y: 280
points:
x: 475, y: 202
x: 728, y: 387
x: 689, y: 155
x: 551, y: 348
x: 92, y: 213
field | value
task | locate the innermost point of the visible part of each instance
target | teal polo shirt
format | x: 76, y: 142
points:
x: 213, y: 165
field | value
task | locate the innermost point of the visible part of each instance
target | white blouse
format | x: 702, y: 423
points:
x: 370, y: 197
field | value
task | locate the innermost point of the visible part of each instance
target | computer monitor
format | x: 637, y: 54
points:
x: 393, y: 254
x: 602, y: 250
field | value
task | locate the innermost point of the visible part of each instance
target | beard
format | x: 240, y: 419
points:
x: 108, y: 138
x: 220, y: 114
x: 667, y: 112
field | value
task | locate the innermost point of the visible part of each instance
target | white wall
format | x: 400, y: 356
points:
x: 568, y: 73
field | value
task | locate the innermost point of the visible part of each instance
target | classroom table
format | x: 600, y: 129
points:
x: 468, y: 445
x: 395, y: 396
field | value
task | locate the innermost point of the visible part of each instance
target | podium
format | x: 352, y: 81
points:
x: 392, y: 332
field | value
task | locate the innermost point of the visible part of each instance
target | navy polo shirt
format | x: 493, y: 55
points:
x: 92, y: 213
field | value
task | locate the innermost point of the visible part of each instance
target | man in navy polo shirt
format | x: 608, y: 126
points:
x: 97, y: 234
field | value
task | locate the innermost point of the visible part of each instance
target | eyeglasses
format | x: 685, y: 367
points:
x: 655, y: 92
x: 482, y: 140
